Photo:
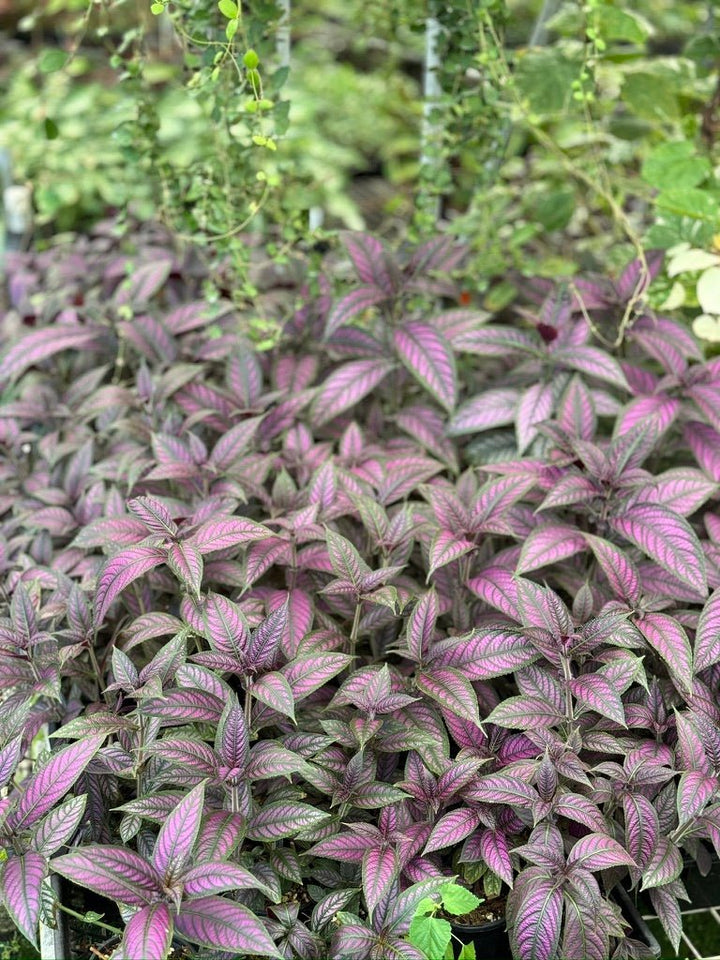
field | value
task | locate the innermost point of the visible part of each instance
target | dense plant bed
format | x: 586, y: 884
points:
x: 305, y: 661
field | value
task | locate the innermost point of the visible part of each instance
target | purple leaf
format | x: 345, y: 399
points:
x: 536, y: 909
x: 186, y: 562
x: 665, y: 865
x: 347, y: 386
x: 597, y: 851
x: 451, y: 691
x: 347, y: 563
x: 428, y: 357
x: 695, y: 790
x: 21, y: 886
x: 484, y: 654
x: 444, y: 549
x: 58, y: 826
x: 41, y: 344
x: 224, y: 925
x: 233, y: 739
x: 154, y: 515
x: 120, y: 571
x: 535, y: 406
x: 498, y: 588
x: 114, y: 872
x: 452, y: 828
x: 594, y: 362
x: 275, y: 692
x: 669, y: 640
x: 704, y: 442
x: 421, y: 625
x: 496, y: 341
x: 233, y: 444
x: 523, y: 713
x: 145, y: 281
x: 495, y: 853
x: 353, y: 303
x: 43, y: 789
x: 148, y: 934
x: 619, y: 569
x: 667, y: 539
x: 658, y: 412
x: 550, y: 544
x: 10, y: 756
x: 682, y: 490
x: 594, y: 691
x: 494, y: 408
x: 707, y: 637
x: 218, y: 876
x: 499, y: 788
x: 370, y: 259
x: 280, y: 819
x: 379, y: 870
x: 224, y: 532
x: 642, y: 829
x: 178, y: 834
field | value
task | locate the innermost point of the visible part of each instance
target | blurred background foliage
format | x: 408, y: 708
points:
x: 567, y: 134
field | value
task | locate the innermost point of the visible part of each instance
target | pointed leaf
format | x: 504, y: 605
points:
x: 451, y: 691
x: 347, y: 386
x: 535, y: 406
x: 120, y: 571
x: 224, y: 925
x: 493, y: 408
x: 175, y: 842
x: 428, y: 357
x: 669, y: 640
x: 21, y: 887
x: 58, y: 826
x: 550, y: 544
x: 224, y: 532
x: 114, y: 872
x: 707, y: 638
x: 148, y: 934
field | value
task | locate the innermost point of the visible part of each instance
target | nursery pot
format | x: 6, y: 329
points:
x: 640, y: 930
x: 490, y: 939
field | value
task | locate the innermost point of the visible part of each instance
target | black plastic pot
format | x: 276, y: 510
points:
x: 490, y: 939
x: 640, y: 930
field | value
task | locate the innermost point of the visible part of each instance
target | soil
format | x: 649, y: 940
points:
x: 486, y: 912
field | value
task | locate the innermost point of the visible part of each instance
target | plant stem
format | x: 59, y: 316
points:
x: 83, y: 917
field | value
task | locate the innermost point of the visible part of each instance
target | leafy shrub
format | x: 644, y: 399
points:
x: 415, y: 594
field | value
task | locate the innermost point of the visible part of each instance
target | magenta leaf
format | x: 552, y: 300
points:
x: 523, y: 713
x: 280, y: 819
x: 148, y: 934
x: 186, y: 562
x: 707, y: 637
x: 346, y: 386
x: 224, y: 925
x: 596, y: 693
x: 536, y: 908
x: 227, y: 532
x: 596, y: 363
x: 58, y: 826
x: 10, y: 756
x: 495, y: 853
x: 379, y: 870
x: 114, y: 872
x: 219, y: 876
x: 621, y: 572
x: 445, y: 548
x: 598, y: 851
x: 275, y: 692
x: 498, y: 588
x: 550, y: 544
x: 154, y: 515
x: 428, y: 357
x: 501, y: 788
x: 642, y: 828
x: 21, y: 886
x: 682, y: 490
x: 451, y: 691
x: 494, y: 408
x: 120, y: 571
x: 667, y: 539
x: 667, y: 638
x: 666, y: 865
x: 535, y: 406
x: 178, y: 834
x: 233, y: 444
x: 452, y: 828
x: 695, y: 790
x: 353, y: 303
x: 232, y: 739
x: 43, y: 789
x: 41, y: 344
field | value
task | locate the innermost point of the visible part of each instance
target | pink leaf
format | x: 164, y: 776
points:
x: 657, y: 411
x: 452, y: 828
x: 347, y: 386
x: 536, y: 908
x: 451, y: 691
x: 493, y: 408
x: 148, y: 934
x: 598, y: 851
x: 120, y: 571
x: 666, y: 864
x: 596, y: 363
x: 58, y: 826
x: 379, y: 870
x: 498, y: 588
x: 275, y: 692
x: 666, y: 538
x: 550, y: 544
x: 669, y: 640
x: 682, y: 490
x: 41, y: 344
x: 21, y: 886
x: 224, y: 925
x: 41, y: 791
x: 495, y: 853
x: 695, y: 791
x: 279, y: 819
x: 596, y: 692
x: 224, y: 532
x: 535, y: 406
x: 186, y: 562
x: 370, y: 259
x: 233, y: 444
x: 421, y: 625
x: 522, y: 713
x: 642, y: 828
x: 178, y: 834
x: 621, y: 572
x: 154, y: 515
x: 114, y: 872
x: 445, y: 548
x: 428, y: 357
x: 704, y: 442
x: 216, y: 877
x: 353, y: 303
x: 707, y: 638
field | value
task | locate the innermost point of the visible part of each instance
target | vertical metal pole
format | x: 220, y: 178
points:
x: 432, y: 93
x: 282, y: 37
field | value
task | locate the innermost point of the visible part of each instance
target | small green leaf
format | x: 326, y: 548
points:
x: 51, y: 129
x: 157, y: 8
x: 52, y: 60
x: 467, y: 952
x: 251, y: 59
x: 458, y: 900
x: 231, y: 28
x: 430, y: 935
x: 229, y: 9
